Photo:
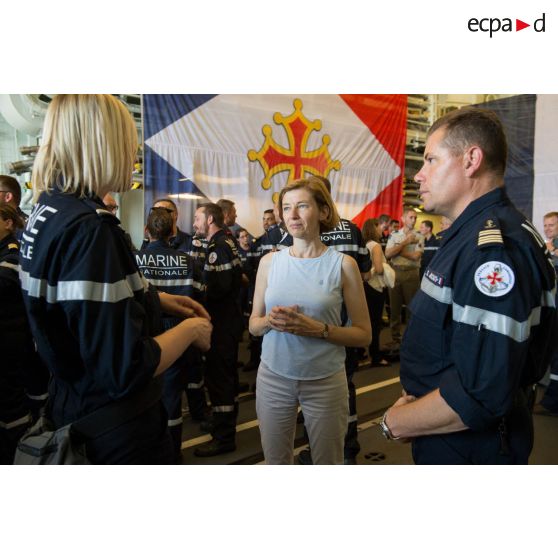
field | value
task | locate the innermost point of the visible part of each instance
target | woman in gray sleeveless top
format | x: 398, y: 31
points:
x: 299, y: 296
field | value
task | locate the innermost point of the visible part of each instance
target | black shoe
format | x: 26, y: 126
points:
x: 243, y: 387
x: 239, y: 364
x: 250, y: 366
x: 305, y: 457
x: 212, y: 448
x: 349, y: 461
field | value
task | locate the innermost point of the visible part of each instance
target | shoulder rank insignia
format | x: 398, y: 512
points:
x: 13, y: 246
x: 490, y: 234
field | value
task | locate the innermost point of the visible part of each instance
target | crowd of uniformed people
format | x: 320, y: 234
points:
x: 99, y: 322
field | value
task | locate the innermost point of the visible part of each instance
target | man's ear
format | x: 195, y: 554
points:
x: 472, y: 160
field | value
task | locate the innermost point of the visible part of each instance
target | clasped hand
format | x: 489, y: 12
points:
x: 288, y: 319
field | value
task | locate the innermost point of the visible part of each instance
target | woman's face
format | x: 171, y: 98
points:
x: 301, y: 214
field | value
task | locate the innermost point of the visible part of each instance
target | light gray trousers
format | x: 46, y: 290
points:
x: 324, y: 403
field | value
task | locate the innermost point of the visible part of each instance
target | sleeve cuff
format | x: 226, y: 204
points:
x: 472, y: 413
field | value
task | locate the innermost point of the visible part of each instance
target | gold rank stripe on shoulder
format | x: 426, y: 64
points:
x: 13, y: 246
x: 492, y: 236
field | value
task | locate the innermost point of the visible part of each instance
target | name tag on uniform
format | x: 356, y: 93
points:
x: 437, y: 278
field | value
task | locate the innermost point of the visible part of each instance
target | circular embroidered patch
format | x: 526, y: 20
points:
x: 494, y: 278
x: 212, y: 257
x: 197, y: 243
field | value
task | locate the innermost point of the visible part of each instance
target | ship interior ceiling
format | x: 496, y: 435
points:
x: 377, y: 388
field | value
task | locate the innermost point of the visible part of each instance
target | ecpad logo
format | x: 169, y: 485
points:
x: 494, y: 24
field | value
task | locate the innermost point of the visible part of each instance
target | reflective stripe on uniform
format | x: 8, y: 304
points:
x: 352, y: 418
x: 19, y: 422
x: 518, y: 331
x: 175, y: 422
x: 82, y: 290
x: 348, y: 248
x: 433, y: 248
x: 222, y: 267
x: 171, y: 282
x: 223, y: 409
x: 554, y: 377
x: 42, y: 397
x: 548, y: 298
x: 441, y: 294
x: 194, y: 386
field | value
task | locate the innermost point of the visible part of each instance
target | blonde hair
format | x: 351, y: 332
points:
x: 89, y: 146
x: 320, y: 194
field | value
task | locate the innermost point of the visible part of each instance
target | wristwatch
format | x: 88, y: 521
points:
x: 385, y: 429
x: 325, y: 332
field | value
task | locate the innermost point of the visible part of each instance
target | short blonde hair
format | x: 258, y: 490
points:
x: 89, y: 146
x: 320, y: 194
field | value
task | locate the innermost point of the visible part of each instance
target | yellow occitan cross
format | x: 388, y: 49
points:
x: 274, y: 158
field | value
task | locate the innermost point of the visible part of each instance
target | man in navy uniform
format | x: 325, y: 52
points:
x: 431, y: 244
x: 222, y: 278
x: 172, y: 271
x: 275, y: 237
x: 483, y: 323
x: 179, y: 240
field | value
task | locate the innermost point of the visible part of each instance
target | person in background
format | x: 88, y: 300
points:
x: 179, y: 240
x: 394, y: 226
x: 10, y: 193
x: 112, y: 206
x: 445, y: 224
x: 384, y: 220
x: 97, y: 326
x: 404, y: 249
x: 172, y: 271
x: 23, y: 377
x: 374, y: 288
x: 297, y: 308
x: 222, y: 278
x: 549, y: 402
x: 268, y: 219
x: 431, y: 245
x: 229, y: 217
x: 249, y: 258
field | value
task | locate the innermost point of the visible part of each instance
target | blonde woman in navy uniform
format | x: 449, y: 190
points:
x: 94, y: 317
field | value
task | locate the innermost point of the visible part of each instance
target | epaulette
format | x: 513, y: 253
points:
x: 13, y: 246
x: 490, y: 234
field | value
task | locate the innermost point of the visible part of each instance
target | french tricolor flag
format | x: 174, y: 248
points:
x: 247, y: 147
